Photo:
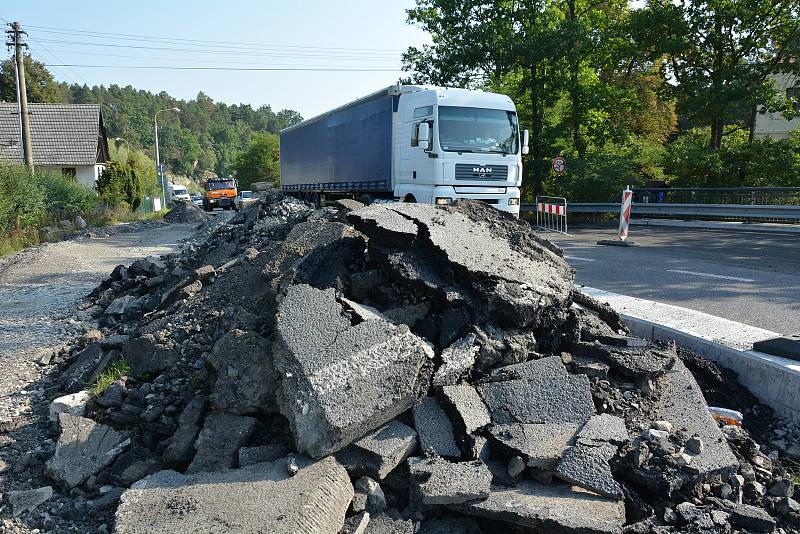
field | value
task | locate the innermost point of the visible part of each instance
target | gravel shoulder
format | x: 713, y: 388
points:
x: 39, y: 291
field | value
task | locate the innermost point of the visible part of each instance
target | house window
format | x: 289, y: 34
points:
x: 69, y: 172
x: 793, y: 94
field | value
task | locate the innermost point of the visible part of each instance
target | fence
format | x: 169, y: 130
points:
x: 776, y: 196
x: 551, y: 214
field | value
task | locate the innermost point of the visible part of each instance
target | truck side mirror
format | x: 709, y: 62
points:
x: 424, y: 134
x: 525, y: 139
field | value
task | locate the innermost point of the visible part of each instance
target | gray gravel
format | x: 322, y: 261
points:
x: 39, y: 290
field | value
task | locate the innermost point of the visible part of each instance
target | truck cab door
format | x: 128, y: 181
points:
x: 421, y: 162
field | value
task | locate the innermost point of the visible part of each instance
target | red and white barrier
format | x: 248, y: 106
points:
x: 551, y: 214
x: 625, y: 213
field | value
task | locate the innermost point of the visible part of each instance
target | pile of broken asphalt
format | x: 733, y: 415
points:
x: 373, y: 369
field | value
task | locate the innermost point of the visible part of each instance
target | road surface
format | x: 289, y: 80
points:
x: 749, y: 277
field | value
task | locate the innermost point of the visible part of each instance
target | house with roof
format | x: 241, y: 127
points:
x: 67, y: 138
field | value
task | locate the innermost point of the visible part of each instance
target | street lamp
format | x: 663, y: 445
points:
x: 158, y: 156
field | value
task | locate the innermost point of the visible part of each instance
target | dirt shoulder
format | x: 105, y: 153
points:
x: 39, y: 291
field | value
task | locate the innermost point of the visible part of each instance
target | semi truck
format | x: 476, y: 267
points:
x: 409, y: 143
x: 219, y: 193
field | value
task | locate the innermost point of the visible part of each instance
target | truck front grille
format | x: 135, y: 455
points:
x: 465, y: 171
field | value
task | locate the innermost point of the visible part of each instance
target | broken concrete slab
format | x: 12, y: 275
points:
x: 256, y: 498
x: 521, y: 284
x: 385, y: 226
x: 589, y: 466
x: 604, y: 428
x: 180, y: 446
x: 263, y: 453
x: 457, y: 360
x: 682, y: 403
x: 245, y: 378
x: 340, y: 380
x: 315, y: 252
x: 465, y: 407
x: 549, y: 509
x: 73, y: 404
x: 83, y: 449
x: 132, y: 465
x: 434, y: 429
x: 634, y: 362
x: 219, y: 442
x: 542, y: 445
x: 437, y: 482
x: 28, y: 500
x: 88, y: 365
x: 545, y: 393
x: 146, y: 356
x: 380, y: 451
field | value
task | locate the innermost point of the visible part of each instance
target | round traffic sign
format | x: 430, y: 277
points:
x: 559, y: 164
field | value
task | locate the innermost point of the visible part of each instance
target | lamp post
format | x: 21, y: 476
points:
x: 158, y: 156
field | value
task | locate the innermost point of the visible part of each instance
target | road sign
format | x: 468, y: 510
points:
x: 559, y: 164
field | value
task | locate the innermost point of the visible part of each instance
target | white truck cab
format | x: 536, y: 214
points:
x: 457, y: 143
x: 178, y: 192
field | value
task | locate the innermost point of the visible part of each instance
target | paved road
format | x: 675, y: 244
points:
x: 749, y: 277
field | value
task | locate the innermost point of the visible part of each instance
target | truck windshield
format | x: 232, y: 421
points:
x: 464, y: 129
x: 213, y: 186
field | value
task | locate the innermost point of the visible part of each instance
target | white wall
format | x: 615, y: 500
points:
x: 774, y: 125
x: 84, y: 174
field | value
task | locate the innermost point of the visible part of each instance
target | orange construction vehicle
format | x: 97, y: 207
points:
x: 219, y: 193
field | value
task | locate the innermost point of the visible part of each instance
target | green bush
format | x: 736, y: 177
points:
x: 763, y: 163
x: 120, y: 183
x: 29, y: 202
x: 604, y: 171
x: 22, y: 199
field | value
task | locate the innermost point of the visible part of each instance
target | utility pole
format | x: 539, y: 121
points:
x: 15, y: 39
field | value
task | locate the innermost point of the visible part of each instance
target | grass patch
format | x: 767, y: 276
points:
x: 113, y: 372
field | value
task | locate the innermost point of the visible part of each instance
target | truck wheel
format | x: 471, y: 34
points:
x: 205, y: 206
x: 315, y: 200
x: 365, y: 199
x: 411, y: 199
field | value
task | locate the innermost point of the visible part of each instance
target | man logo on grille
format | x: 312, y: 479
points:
x: 481, y: 171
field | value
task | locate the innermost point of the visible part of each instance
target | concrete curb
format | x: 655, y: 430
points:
x: 769, y: 228
x: 774, y: 380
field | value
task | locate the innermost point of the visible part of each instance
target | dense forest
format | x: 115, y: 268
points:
x: 663, y: 90
x: 205, y: 137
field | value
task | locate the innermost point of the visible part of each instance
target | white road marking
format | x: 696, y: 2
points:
x: 578, y: 258
x: 709, y: 275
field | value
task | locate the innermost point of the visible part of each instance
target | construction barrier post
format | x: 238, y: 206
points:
x: 625, y: 213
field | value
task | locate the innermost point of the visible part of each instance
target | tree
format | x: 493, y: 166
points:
x: 119, y: 183
x: 260, y: 162
x: 720, y: 54
x: 42, y: 87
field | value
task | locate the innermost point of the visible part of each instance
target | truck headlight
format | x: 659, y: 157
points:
x: 443, y: 201
x: 513, y: 202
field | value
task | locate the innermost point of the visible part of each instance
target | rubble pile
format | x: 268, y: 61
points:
x: 392, y: 368
x: 186, y: 212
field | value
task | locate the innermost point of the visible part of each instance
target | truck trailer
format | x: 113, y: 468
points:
x: 409, y: 143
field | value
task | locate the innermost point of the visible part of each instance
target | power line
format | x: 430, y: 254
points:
x: 158, y: 58
x: 128, y: 36
x: 53, y: 54
x: 165, y: 67
x: 219, y: 50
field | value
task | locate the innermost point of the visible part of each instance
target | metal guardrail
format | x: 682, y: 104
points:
x: 774, y: 196
x: 755, y: 211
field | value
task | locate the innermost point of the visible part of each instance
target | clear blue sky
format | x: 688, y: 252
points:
x: 307, y: 33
